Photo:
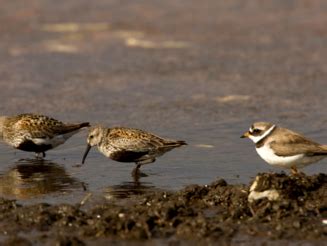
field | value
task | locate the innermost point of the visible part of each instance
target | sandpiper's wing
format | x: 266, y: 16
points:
x: 138, y: 140
x: 41, y: 125
x: 291, y: 143
x: 42, y: 129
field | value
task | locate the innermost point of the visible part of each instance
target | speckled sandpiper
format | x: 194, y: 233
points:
x: 129, y: 145
x: 36, y: 133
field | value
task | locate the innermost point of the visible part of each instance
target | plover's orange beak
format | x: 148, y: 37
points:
x: 245, y: 135
x: 88, y: 147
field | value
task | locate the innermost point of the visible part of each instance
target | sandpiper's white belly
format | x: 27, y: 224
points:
x: 299, y: 161
x: 106, y: 149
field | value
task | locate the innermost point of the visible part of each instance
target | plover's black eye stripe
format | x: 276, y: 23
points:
x: 256, y: 131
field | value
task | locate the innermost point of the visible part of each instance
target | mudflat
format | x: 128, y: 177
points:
x: 214, y: 213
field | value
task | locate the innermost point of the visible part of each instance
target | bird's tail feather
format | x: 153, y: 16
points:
x: 84, y: 124
x: 175, y: 143
x: 74, y: 127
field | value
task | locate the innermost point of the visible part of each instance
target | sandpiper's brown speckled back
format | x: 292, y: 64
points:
x: 30, y: 131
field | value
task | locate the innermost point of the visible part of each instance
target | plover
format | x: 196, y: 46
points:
x: 283, y: 147
x: 36, y: 133
x: 129, y: 145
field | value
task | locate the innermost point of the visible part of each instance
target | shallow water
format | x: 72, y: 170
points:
x: 202, y: 76
x: 56, y: 179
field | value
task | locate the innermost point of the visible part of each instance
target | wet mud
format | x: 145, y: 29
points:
x: 214, y: 213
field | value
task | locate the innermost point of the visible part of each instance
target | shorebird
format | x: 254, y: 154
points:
x: 36, y: 133
x: 283, y: 147
x: 129, y: 145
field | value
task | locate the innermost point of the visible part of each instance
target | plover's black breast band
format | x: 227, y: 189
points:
x: 264, y: 140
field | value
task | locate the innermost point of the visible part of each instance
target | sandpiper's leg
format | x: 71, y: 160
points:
x: 136, y: 170
x: 39, y: 155
x: 136, y: 180
x: 147, y: 161
x: 138, y: 166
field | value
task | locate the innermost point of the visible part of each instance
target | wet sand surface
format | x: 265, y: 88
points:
x: 277, y: 209
x: 201, y: 71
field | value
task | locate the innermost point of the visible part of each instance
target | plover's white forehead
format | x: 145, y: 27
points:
x: 261, y: 126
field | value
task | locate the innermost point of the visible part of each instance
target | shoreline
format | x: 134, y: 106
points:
x: 218, y: 212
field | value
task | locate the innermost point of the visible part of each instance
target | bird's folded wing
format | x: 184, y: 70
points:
x: 44, y: 127
x: 295, y: 145
x: 48, y: 127
x: 133, y: 144
x: 41, y: 137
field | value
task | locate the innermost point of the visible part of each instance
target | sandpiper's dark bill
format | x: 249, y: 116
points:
x: 87, y: 150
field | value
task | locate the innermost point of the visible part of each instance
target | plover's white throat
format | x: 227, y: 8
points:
x: 36, y: 133
x: 283, y: 147
x: 129, y: 145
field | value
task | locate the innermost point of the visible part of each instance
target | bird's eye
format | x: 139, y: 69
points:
x: 256, y: 130
x: 91, y: 137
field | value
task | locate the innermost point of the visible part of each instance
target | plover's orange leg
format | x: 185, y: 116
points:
x: 294, y: 170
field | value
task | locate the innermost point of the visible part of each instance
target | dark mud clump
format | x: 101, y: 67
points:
x: 218, y: 212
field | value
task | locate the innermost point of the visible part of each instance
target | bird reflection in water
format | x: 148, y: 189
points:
x: 31, y: 178
x: 129, y: 188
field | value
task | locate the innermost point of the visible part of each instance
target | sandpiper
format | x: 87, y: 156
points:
x: 36, y: 133
x: 129, y: 145
x: 283, y: 147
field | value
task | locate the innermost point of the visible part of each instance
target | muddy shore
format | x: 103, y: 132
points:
x: 218, y: 212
